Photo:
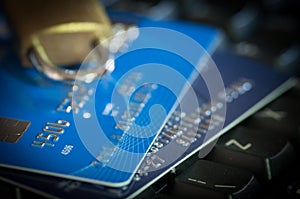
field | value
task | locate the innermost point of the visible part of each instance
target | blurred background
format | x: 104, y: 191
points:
x: 267, y: 30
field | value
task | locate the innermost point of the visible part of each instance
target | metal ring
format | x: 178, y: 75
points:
x: 54, y: 72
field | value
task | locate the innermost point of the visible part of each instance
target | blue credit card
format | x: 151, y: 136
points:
x: 100, y: 132
x: 249, y: 86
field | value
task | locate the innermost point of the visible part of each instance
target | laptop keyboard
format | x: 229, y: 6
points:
x: 259, y: 158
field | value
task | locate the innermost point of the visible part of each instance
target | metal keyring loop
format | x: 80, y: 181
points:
x: 54, y: 72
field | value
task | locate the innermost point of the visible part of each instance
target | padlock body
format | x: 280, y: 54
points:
x: 63, y: 31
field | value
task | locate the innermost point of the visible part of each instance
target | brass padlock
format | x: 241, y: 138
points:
x: 54, y: 33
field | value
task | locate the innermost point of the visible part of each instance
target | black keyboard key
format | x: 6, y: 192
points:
x: 280, y: 118
x: 260, y: 152
x: 208, y: 179
x: 293, y: 189
x: 279, y: 128
x: 8, y: 191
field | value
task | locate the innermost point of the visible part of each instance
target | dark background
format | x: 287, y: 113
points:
x: 267, y: 30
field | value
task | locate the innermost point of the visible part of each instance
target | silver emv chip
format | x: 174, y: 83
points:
x: 11, y: 130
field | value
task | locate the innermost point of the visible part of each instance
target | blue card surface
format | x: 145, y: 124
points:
x: 249, y: 86
x: 100, y: 132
